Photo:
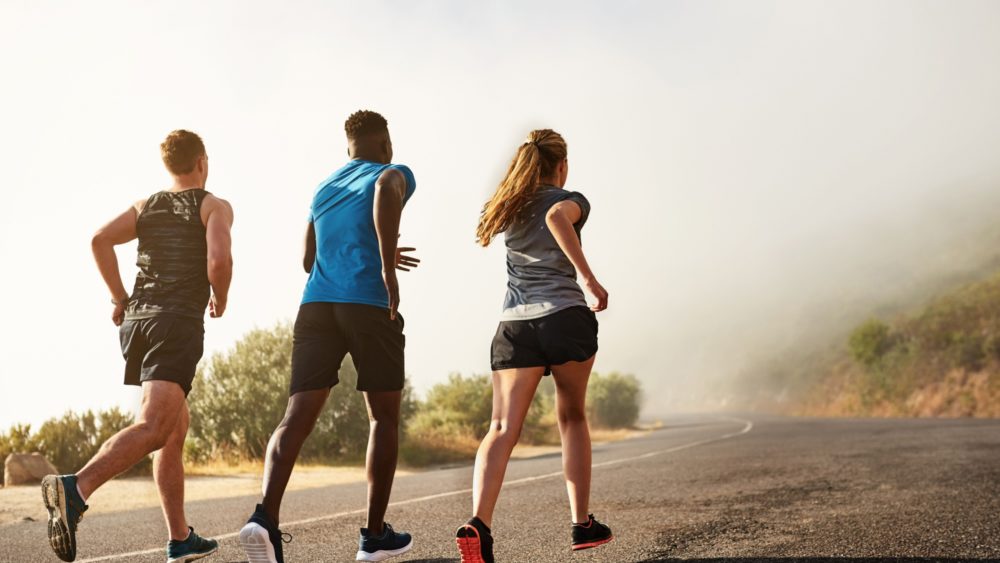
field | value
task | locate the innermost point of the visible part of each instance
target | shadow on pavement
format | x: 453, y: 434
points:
x: 436, y: 560
x: 824, y: 560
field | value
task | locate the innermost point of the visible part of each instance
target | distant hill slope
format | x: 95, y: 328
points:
x: 942, y: 359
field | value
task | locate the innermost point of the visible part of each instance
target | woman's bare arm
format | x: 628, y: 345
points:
x: 560, y: 220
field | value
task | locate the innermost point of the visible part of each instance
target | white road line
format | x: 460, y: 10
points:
x: 747, y: 426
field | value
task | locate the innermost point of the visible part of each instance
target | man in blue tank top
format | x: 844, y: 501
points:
x: 185, y: 266
x: 350, y: 306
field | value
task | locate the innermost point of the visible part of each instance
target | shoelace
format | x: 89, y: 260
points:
x: 282, y: 536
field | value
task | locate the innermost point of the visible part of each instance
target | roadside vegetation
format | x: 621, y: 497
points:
x: 239, y: 397
x: 942, y: 359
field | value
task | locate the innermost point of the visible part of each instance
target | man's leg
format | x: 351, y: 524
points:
x: 283, y: 448
x: 162, y: 403
x: 168, y: 472
x: 383, y: 450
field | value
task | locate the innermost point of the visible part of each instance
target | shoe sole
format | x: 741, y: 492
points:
x: 192, y: 557
x: 467, y: 540
x: 589, y: 545
x: 63, y: 542
x: 257, y: 544
x: 383, y: 554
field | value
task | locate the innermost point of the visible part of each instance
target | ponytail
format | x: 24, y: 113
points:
x: 535, y: 159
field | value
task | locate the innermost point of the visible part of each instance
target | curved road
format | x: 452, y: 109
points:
x: 729, y: 489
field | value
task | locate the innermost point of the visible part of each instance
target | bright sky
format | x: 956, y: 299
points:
x: 738, y: 156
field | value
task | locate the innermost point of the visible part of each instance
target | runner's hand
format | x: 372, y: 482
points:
x: 598, y: 291
x: 216, y: 307
x: 392, y: 288
x: 404, y: 261
x: 118, y: 314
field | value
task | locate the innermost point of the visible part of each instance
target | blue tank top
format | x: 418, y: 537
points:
x: 348, y: 267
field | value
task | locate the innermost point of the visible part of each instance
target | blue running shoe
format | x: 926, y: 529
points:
x: 66, y: 508
x: 380, y: 548
x: 261, y: 539
x: 194, y: 547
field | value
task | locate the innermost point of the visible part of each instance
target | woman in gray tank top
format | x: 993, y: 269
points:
x: 546, y: 327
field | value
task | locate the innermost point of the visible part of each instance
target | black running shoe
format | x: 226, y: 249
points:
x: 380, y: 548
x: 261, y: 539
x: 591, y: 534
x: 66, y: 508
x: 475, y: 542
x: 190, y: 549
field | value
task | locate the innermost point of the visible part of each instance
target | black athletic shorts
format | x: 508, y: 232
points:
x: 569, y: 335
x: 162, y: 348
x: 326, y: 332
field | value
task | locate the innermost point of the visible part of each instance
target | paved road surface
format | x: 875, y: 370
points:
x: 703, y: 489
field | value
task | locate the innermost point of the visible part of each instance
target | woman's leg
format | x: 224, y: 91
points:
x: 513, y: 390
x: 571, y: 402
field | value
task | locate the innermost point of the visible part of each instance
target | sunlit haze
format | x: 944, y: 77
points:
x: 754, y: 167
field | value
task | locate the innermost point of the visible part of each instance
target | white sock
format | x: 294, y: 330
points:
x: 79, y: 492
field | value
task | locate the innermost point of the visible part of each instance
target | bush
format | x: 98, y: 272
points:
x: 967, y: 351
x: 240, y: 397
x: 70, y: 441
x: 462, y: 405
x: 450, y: 423
x: 16, y: 440
x: 613, y: 400
x: 869, y: 342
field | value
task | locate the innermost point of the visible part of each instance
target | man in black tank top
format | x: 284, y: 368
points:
x: 185, y: 266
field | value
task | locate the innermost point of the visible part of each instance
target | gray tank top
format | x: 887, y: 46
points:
x: 173, y: 257
x: 540, y: 278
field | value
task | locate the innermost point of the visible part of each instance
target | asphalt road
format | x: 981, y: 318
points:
x: 707, y: 488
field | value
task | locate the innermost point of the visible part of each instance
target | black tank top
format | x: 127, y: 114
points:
x: 173, y: 257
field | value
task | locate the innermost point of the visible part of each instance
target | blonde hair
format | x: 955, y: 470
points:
x: 536, y: 158
x: 181, y: 151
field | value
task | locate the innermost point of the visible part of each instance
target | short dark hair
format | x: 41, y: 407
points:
x: 363, y: 123
x: 181, y: 151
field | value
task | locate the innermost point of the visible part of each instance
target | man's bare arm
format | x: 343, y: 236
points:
x: 309, y: 258
x: 218, y: 234
x: 389, y: 191
x: 119, y: 230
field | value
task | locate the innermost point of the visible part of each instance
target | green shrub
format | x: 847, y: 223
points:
x: 460, y: 405
x: 456, y: 415
x: 870, y: 342
x: 69, y: 441
x: 967, y: 351
x: 613, y: 400
x: 15, y: 440
x: 240, y: 397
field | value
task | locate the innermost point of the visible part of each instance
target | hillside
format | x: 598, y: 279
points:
x: 940, y: 359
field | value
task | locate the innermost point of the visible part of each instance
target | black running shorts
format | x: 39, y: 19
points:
x: 162, y: 348
x: 326, y: 332
x: 569, y: 335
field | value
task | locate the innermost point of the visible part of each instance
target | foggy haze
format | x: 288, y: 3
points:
x: 763, y: 175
